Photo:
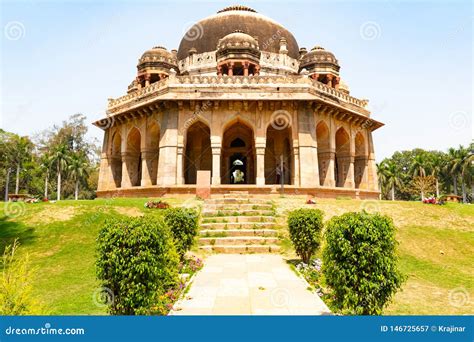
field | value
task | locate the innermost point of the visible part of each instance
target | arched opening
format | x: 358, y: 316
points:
x: 238, y: 155
x: 342, y: 162
x: 360, y: 162
x: 153, y: 148
x: 133, y: 159
x: 324, y: 153
x: 116, y: 159
x: 198, y: 153
x: 278, y: 147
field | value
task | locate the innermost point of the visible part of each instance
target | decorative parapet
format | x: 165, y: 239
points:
x: 231, y: 84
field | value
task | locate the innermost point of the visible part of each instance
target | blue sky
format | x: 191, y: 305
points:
x: 70, y: 56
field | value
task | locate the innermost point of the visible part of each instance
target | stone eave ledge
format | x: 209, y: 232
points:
x: 295, y: 87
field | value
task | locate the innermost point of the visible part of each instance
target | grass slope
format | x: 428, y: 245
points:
x: 436, y: 248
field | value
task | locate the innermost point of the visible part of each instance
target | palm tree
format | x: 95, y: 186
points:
x: 78, y: 170
x: 46, y: 164
x: 389, y: 176
x: 60, y: 158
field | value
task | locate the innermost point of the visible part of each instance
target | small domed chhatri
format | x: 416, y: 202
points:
x: 238, y: 94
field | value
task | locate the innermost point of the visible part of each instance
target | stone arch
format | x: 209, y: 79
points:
x: 238, y: 129
x: 133, y: 156
x: 116, y: 158
x: 198, y: 152
x: 360, y: 161
x: 342, y: 160
x: 324, y: 152
x: 278, y: 145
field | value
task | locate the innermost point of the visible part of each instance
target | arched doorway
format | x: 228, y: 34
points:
x: 342, y: 156
x: 324, y: 153
x: 198, y: 153
x: 278, y: 145
x: 133, y: 158
x: 116, y: 159
x: 238, y: 155
x: 360, y: 162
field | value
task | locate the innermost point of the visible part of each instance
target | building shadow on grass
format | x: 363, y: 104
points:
x: 11, y: 230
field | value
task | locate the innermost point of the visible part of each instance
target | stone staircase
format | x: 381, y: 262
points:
x: 237, y: 223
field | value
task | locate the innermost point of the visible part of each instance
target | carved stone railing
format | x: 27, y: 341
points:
x: 294, y: 81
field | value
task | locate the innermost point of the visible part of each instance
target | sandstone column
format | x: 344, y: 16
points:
x: 126, y: 160
x: 168, y: 147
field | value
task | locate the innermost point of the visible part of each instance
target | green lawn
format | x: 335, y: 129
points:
x: 436, y: 248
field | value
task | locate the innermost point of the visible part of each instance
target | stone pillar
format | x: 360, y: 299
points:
x: 168, y: 147
x: 147, y: 167
x: 260, y: 167
x: 296, y: 165
x: 126, y: 160
x: 105, y: 181
x: 349, y: 180
x: 216, y: 160
x: 372, y: 178
x: 180, y: 166
x: 308, y: 154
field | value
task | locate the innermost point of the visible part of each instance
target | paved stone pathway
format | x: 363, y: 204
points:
x: 252, y: 284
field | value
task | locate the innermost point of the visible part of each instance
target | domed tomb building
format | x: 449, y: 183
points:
x: 238, y: 98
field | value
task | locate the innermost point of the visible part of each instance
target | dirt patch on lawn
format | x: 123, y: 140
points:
x: 129, y: 211
x: 52, y: 214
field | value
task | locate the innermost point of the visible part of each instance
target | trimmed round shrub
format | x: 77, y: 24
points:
x: 136, y: 262
x: 305, y: 227
x: 360, y: 262
x: 183, y: 223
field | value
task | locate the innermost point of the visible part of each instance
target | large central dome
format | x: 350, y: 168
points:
x: 205, y: 34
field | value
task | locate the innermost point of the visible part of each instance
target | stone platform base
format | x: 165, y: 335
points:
x: 269, y: 190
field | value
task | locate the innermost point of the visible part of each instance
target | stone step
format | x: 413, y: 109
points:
x: 238, y: 240
x: 234, y: 200
x: 241, y: 249
x: 249, y: 212
x: 237, y: 232
x: 230, y: 219
x: 237, y: 225
x: 238, y: 206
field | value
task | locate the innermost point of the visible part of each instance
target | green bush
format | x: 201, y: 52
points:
x: 183, y: 223
x: 360, y: 263
x: 137, y: 262
x: 305, y: 227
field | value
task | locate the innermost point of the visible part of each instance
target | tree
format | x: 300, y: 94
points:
x: 390, y: 175
x: 60, y: 157
x: 78, y: 169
